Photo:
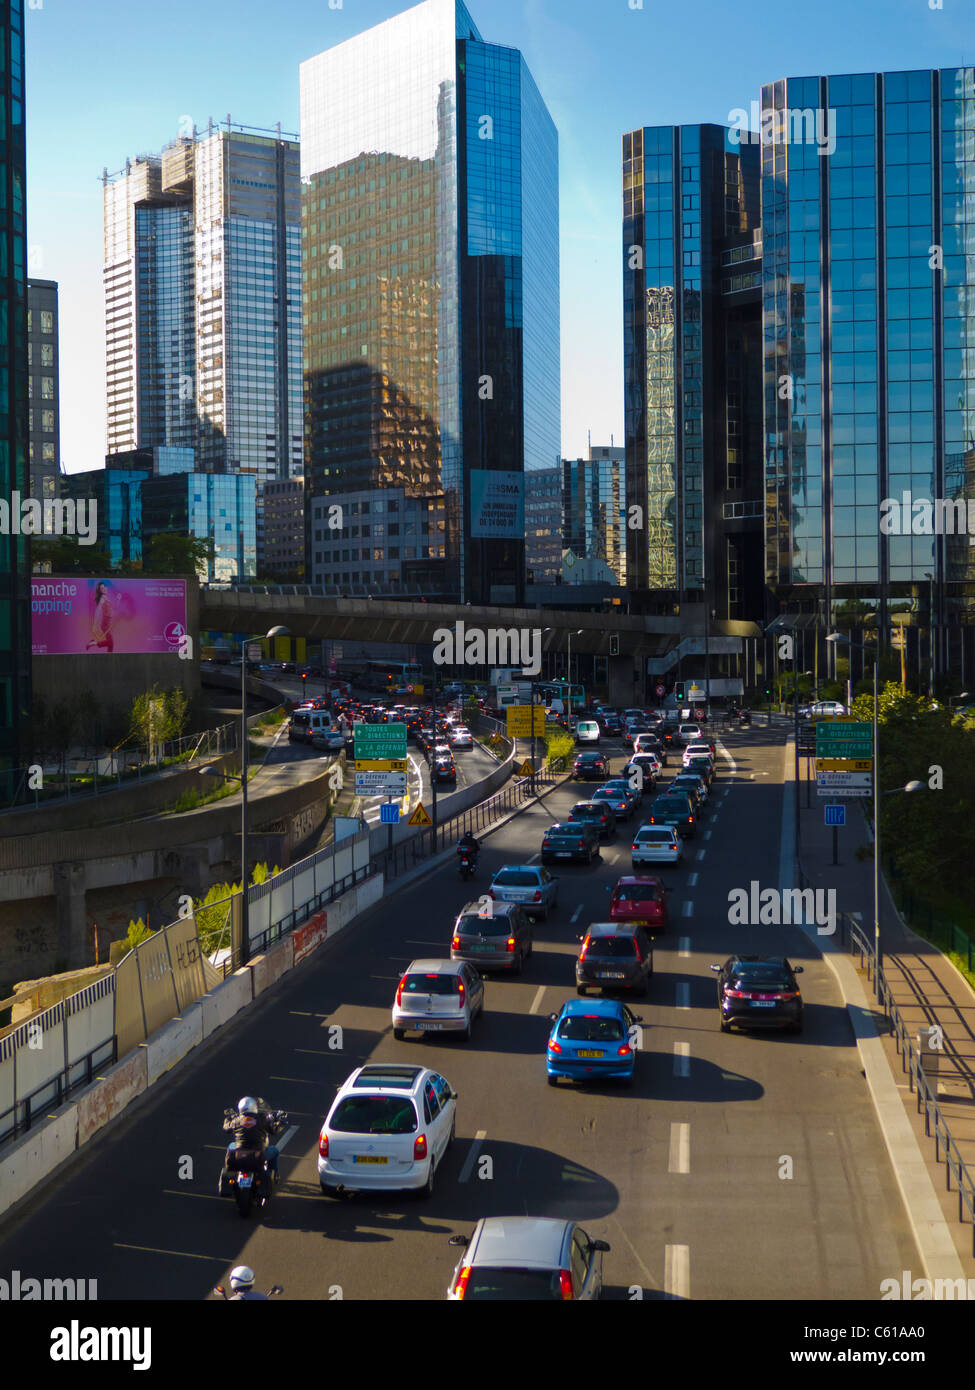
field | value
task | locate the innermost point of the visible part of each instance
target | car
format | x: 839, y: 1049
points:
x: 461, y: 737
x: 438, y: 749
x: 675, y: 809
x: 590, y: 765
x: 641, y: 899
x: 703, y: 747
x: 650, y: 743
x: 622, y: 784
x: 618, y: 801
x: 635, y: 714
x: 826, y: 707
x: 331, y: 740
x: 587, y: 731
x: 615, y: 955
x: 522, y: 1259
x: 610, y: 724
x: 703, y: 766
x: 387, y: 1129
x: 759, y: 992
x: 689, y: 733
x: 632, y: 732
x: 590, y: 1040
x: 531, y: 886
x: 499, y: 939
x: 596, y: 813
x: 437, y: 996
x: 641, y: 772
x: 443, y: 769
x: 691, y: 782
x: 574, y: 840
x: 656, y: 844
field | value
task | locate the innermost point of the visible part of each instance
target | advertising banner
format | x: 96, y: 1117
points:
x: 76, y: 615
x: 497, y: 505
x: 312, y: 934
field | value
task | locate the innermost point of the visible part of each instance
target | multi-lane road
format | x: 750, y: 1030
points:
x: 738, y: 1166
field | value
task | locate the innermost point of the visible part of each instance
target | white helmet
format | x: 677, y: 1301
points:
x: 247, y: 1105
x: 242, y: 1277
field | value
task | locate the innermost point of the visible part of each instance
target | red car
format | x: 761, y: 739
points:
x: 640, y: 899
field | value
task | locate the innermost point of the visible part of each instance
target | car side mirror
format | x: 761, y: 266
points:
x: 459, y: 1241
x: 797, y: 970
x: 454, y: 1095
x: 716, y: 968
x: 601, y: 1246
x: 275, y: 1288
x: 553, y: 1018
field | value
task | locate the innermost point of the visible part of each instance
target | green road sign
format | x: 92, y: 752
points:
x: 379, y: 742
x: 841, y: 740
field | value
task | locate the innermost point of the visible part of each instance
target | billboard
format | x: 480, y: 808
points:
x: 497, y: 505
x: 76, y: 615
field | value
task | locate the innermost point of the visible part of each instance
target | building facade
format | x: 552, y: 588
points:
x: 594, y: 509
x: 543, y: 525
x: 117, y: 495
x: 211, y: 506
x: 44, y: 409
x: 281, y: 545
x: 430, y: 287
x: 381, y: 539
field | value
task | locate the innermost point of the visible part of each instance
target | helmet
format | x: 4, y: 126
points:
x: 247, y: 1105
x: 242, y: 1277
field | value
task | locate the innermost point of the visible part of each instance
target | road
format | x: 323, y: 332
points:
x: 738, y: 1167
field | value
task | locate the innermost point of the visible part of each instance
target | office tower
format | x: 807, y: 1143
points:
x: 543, y: 526
x: 44, y: 409
x: 869, y: 332
x: 692, y: 344
x: 284, y: 530
x: 116, y: 492
x: 214, y: 506
x: 431, y: 294
x: 15, y: 648
x: 202, y: 302
x: 593, y: 508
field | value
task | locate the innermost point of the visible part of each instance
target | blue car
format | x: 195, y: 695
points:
x: 590, y: 1040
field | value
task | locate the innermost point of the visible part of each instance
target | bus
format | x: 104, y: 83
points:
x: 392, y: 676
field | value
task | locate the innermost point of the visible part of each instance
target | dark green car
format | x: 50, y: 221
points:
x: 676, y: 809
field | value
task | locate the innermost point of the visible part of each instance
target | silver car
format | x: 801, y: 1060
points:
x: 531, y: 887
x: 528, y: 1259
x: 438, y: 996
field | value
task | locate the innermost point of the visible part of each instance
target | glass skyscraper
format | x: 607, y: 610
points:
x: 15, y: 641
x: 431, y: 288
x: 593, y: 507
x: 44, y: 391
x: 215, y: 506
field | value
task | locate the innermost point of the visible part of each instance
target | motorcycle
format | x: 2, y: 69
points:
x: 468, y: 863
x: 745, y: 717
x: 275, y: 1288
x: 246, y: 1174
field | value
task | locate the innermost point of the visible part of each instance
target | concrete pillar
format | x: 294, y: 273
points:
x: 69, y: 894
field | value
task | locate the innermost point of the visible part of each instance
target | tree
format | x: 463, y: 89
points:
x: 176, y: 705
x: 170, y: 552
x: 66, y: 556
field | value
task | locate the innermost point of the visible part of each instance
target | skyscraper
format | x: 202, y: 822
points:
x: 45, y: 392
x: 431, y: 295
x: 593, y: 507
x: 15, y: 648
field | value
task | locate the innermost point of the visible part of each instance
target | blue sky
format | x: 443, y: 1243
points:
x: 111, y: 78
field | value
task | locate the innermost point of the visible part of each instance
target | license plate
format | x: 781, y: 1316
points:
x: 245, y: 1180
x: 762, y: 1003
x: 368, y: 1158
x: 611, y: 974
x: 480, y: 948
x: 581, y: 1053
x: 563, y: 854
x: 426, y: 1025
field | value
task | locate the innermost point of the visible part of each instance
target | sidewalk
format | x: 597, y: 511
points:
x: 926, y: 988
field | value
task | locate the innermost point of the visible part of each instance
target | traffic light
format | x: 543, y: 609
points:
x: 679, y: 691
x: 614, y: 645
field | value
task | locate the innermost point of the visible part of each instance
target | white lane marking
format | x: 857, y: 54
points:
x: 577, y: 914
x: 688, y: 909
x: 183, y: 1254
x: 539, y: 993
x: 286, y: 1137
x: 677, y: 1271
x: 700, y: 854
x: 683, y: 994
x: 692, y: 880
x: 471, y: 1158
x: 612, y: 857
x: 680, y: 1149
x: 534, y: 858
x: 682, y: 1059
x: 684, y: 946
x: 707, y: 834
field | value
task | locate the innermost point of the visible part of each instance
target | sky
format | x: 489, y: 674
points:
x: 107, y: 79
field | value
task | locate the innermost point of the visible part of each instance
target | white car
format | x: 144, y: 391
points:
x: 697, y: 750
x: 657, y: 844
x: 587, y: 731
x: 438, y: 996
x: 826, y: 707
x: 530, y: 886
x: 689, y: 733
x: 461, y: 737
x: 331, y: 740
x: 388, y: 1128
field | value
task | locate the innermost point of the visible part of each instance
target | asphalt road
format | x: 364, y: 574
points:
x: 686, y: 1175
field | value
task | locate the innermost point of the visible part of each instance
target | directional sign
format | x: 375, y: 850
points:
x: 254, y: 652
x: 844, y: 765
x: 380, y: 783
x: 835, y: 815
x: 519, y: 720
x: 844, y: 779
x: 381, y: 765
x: 379, y: 742
x: 841, y: 740
x: 389, y: 813
x: 420, y: 816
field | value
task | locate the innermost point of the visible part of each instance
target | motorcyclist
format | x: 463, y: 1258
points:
x: 253, y: 1127
x: 242, y: 1283
x: 468, y: 844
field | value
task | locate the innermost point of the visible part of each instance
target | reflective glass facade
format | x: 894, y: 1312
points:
x: 44, y: 412
x: 14, y: 475
x: 220, y: 506
x: 117, y: 493
x: 428, y: 275
x: 593, y: 508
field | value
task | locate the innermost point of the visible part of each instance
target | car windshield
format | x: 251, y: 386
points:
x: 563, y: 832
x: 761, y: 975
x: 472, y: 925
x: 516, y: 878
x: 518, y: 1285
x: 374, y: 1115
x: 661, y: 835
x: 585, y: 810
x: 579, y: 1028
x: 590, y: 759
x: 610, y: 946
x: 637, y: 893
x: 431, y: 984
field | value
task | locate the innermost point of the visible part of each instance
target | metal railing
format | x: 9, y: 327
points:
x: 19, y: 1117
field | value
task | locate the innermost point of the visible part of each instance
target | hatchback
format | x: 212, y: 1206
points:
x: 596, y: 813
x: 759, y: 992
x: 388, y: 1128
x: 634, y: 731
x: 689, y: 733
x: 533, y: 888
x: 575, y: 840
x: 675, y: 809
x: 438, y: 996
x: 621, y: 783
x: 522, y: 1259
x: 641, y: 900
x: 590, y: 1041
x: 641, y: 773
x: 588, y: 766
x: 650, y: 743
x: 492, y: 936
x: 656, y: 844
x: 704, y: 767
x: 461, y: 737
x: 615, y: 955
x: 691, y: 782
x: 618, y: 801
x: 331, y: 740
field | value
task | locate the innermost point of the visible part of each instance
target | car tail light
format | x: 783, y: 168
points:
x: 581, y: 844
x: 537, y: 897
x: 624, y: 1051
x: 585, y: 948
x: 490, y: 892
x: 690, y: 820
x: 399, y: 992
x: 454, y: 943
x: 511, y: 943
x: 565, y: 1284
x: 553, y: 1046
x: 323, y: 1146
x: 460, y: 1287
x: 461, y: 990
x: 736, y: 993
x: 786, y: 995
x: 420, y: 1146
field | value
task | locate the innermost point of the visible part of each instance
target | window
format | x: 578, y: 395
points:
x: 579, y: 1261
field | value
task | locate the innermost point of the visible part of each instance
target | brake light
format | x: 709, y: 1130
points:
x: 565, y: 1284
x: 399, y: 992
x: 461, y: 990
x: 490, y: 892
x: 624, y: 1051
x: 323, y: 1146
x: 420, y: 1146
x: 538, y: 897
x: 581, y: 844
x: 511, y: 943
x: 553, y: 1046
x: 461, y: 1285
x: 786, y: 995
x: 585, y: 948
x: 454, y: 943
x: 690, y: 820
x: 736, y: 993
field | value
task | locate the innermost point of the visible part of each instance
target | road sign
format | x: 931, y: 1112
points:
x: 843, y: 740
x: 381, y: 765
x: 699, y: 714
x: 420, y: 816
x: 254, y: 652
x: 525, y: 770
x: 844, y: 765
x: 380, y: 783
x: 379, y: 741
x: 661, y: 690
x: 520, y: 720
x: 389, y: 813
x: 835, y: 815
x: 834, y: 784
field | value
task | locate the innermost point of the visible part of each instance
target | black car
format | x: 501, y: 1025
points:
x: 676, y: 809
x: 609, y: 723
x: 759, y: 992
x: 693, y: 785
x: 570, y: 840
x: 597, y: 814
x: 444, y: 770
x: 615, y: 955
x: 589, y: 766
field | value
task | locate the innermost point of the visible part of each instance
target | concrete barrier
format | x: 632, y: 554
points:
x: 37, y: 1155
x: 111, y: 1093
x: 172, y: 1042
x: 369, y: 893
x: 228, y: 998
x: 272, y: 965
x: 309, y: 937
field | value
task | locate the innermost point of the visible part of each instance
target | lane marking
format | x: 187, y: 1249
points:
x: 535, y: 857
x: 688, y: 909
x: 684, y: 946
x: 700, y: 854
x: 692, y: 880
x: 183, y: 1254
x: 682, y: 1059
x: 200, y: 1196
x: 680, y: 1148
x: 286, y: 1137
x: 539, y: 993
x: 677, y: 1271
x: 299, y: 1080
x: 707, y: 834
x: 468, y: 1168
x: 683, y: 994
x: 577, y: 914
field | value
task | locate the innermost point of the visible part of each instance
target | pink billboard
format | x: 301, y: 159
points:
x: 76, y: 615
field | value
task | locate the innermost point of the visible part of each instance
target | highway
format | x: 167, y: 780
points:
x: 738, y: 1167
